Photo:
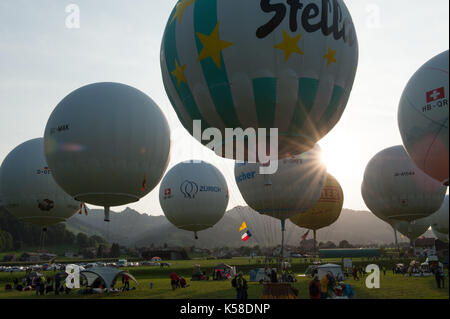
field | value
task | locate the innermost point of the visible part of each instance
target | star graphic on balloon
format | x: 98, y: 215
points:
x: 289, y: 45
x: 330, y: 56
x: 179, y: 73
x: 181, y: 6
x: 212, y: 46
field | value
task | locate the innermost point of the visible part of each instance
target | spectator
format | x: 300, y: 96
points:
x: 437, y: 276
x: 174, y: 280
x: 126, y: 281
x: 347, y: 290
x: 183, y: 283
x: 241, y: 286
x: 273, y: 276
x: 355, y: 273
x: 57, y: 284
x: 324, y: 287
x: 314, y: 288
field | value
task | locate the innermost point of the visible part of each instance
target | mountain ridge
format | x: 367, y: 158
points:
x: 133, y: 229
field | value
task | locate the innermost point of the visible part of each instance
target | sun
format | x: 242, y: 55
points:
x: 343, y: 160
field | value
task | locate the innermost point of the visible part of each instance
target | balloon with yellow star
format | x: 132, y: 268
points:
x: 247, y: 64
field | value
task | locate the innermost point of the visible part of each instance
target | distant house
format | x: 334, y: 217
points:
x: 201, y: 251
x: 8, y: 258
x: 36, y: 257
x: 425, y: 247
x: 307, y: 245
x: 165, y: 253
x: 69, y: 254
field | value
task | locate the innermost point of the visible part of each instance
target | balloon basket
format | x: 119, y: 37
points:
x: 279, y: 291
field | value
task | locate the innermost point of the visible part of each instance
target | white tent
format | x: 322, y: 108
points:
x: 336, y: 270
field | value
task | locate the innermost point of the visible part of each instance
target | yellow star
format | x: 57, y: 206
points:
x: 181, y: 6
x: 212, y: 46
x: 330, y: 56
x: 289, y: 45
x: 179, y: 73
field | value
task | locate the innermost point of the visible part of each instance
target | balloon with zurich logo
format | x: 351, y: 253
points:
x: 256, y: 64
x: 194, y: 196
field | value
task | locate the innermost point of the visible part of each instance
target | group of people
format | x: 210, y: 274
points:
x: 221, y: 274
x: 270, y: 275
x: 357, y: 272
x: 40, y: 284
x: 177, y: 282
x: 241, y: 286
x: 328, y: 288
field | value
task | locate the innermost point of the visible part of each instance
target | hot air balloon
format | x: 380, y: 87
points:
x: 394, y: 189
x: 442, y: 237
x: 413, y: 229
x: 1, y: 193
x: 194, y: 196
x: 423, y: 118
x: 326, y: 211
x: 251, y: 64
x: 107, y: 144
x: 28, y: 189
x: 293, y: 189
x: 439, y: 220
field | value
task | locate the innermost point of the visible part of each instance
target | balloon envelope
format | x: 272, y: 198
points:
x: 294, y: 188
x: 107, y: 144
x: 28, y: 189
x: 423, y: 118
x: 439, y: 220
x: 327, y: 209
x: 230, y: 64
x: 194, y: 195
x: 394, y: 188
x: 442, y: 237
x: 413, y: 229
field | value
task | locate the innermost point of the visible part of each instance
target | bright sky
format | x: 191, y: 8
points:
x: 41, y: 61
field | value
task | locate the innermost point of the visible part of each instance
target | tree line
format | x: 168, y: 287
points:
x: 15, y: 235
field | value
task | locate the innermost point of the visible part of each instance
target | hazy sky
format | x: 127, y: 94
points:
x: 41, y: 61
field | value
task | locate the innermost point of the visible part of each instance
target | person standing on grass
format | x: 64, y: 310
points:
x: 314, y: 288
x: 241, y: 286
x: 126, y: 280
x: 42, y: 285
x: 355, y: 273
x: 442, y: 276
x: 324, y: 287
x: 37, y: 284
x: 57, y: 284
x: 437, y: 276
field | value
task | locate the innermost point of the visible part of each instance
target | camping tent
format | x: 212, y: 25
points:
x: 257, y: 275
x: 106, y: 274
x: 226, y: 270
x: 336, y: 270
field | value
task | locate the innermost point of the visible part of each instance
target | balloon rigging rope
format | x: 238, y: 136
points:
x: 249, y: 218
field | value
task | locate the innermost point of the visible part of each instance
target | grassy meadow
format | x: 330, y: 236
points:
x: 392, y: 286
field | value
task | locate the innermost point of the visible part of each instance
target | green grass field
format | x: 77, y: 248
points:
x: 392, y: 286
